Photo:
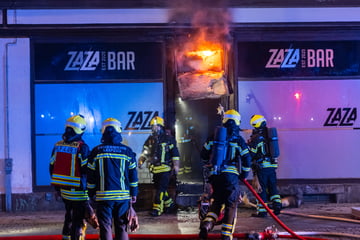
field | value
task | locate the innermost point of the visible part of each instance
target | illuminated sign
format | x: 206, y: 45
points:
x: 308, y: 58
x: 298, y: 59
x: 98, y: 61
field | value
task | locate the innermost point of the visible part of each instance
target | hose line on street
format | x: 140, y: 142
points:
x: 270, y: 212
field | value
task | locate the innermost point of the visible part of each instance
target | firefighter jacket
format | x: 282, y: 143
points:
x: 162, y: 152
x: 259, y: 149
x: 112, y: 172
x: 237, y: 153
x: 188, y: 132
x: 68, y: 168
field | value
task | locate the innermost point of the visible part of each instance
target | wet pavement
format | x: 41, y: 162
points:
x: 339, y: 225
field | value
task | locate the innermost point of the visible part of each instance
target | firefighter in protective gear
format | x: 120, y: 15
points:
x: 263, y: 166
x: 113, y: 180
x: 68, y: 168
x: 186, y: 143
x: 161, y: 151
x: 226, y: 182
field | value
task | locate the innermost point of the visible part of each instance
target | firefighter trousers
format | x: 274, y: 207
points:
x: 162, y: 199
x: 268, y: 182
x: 226, y: 194
x: 74, y: 222
x: 107, y: 211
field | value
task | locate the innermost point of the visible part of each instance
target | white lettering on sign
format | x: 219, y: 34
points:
x: 320, y: 58
x: 82, y: 61
x: 121, y: 60
x: 110, y: 61
x: 283, y: 58
x: 310, y: 58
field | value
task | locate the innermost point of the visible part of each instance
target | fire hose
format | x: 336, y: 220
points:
x: 321, y: 217
x: 267, y: 236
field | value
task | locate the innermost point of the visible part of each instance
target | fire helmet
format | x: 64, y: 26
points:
x: 113, y: 122
x: 77, y: 123
x: 157, y: 121
x: 257, y: 121
x: 232, y: 115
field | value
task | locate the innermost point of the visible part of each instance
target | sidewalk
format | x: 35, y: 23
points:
x: 187, y: 222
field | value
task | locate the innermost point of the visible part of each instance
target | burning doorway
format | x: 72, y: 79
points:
x: 201, y: 64
x: 201, y: 75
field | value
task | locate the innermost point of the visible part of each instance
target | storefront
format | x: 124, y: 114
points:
x: 102, y: 79
x: 301, y: 72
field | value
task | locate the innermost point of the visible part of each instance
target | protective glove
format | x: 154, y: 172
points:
x: 133, y: 222
x: 256, y: 184
x: 141, y: 161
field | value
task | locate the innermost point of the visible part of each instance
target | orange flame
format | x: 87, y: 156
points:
x: 201, y: 65
x: 205, y: 58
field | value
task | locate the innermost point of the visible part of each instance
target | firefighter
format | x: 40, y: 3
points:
x: 264, y: 166
x: 113, y: 180
x: 68, y: 168
x: 161, y: 151
x: 187, y: 145
x: 231, y: 164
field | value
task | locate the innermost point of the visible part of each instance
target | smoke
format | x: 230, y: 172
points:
x: 210, y: 20
x: 200, y: 50
x: 212, y: 24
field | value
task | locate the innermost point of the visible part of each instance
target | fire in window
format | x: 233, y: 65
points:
x: 201, y: 69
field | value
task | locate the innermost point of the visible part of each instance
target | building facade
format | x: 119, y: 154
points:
x: 298, y: 65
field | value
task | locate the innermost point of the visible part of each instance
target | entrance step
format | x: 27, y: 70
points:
x: 184, y: 200
x: 189, y: 194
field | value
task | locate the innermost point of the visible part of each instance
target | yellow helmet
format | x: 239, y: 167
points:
x: 257, y: 120
x: 232, y: 115
x: 77, y: 123
x: 157, y: 121
x: 113, y: 122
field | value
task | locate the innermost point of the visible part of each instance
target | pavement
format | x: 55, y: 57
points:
x: 326, y: 220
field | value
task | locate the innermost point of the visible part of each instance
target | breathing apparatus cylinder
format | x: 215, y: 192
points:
x: 218, y: 154
x: 273, y: 143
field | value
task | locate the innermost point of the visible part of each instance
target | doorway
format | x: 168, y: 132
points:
x: 195, y: 122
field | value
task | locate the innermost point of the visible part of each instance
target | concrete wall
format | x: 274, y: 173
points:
x: 15, y: 123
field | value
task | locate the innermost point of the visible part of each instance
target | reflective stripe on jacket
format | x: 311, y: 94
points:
x: 112, y: 172
x: 162, y: 152
x: 259, y: 154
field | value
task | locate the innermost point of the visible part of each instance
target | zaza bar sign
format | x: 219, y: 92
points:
x: 98, y: 61
x: 298, y: 59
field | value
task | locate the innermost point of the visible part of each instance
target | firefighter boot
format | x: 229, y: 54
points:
x: 277, y: 208
x: 155, y: 213
x: 205, y: 227
x: 223, y: 237
x: 260, y: 215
